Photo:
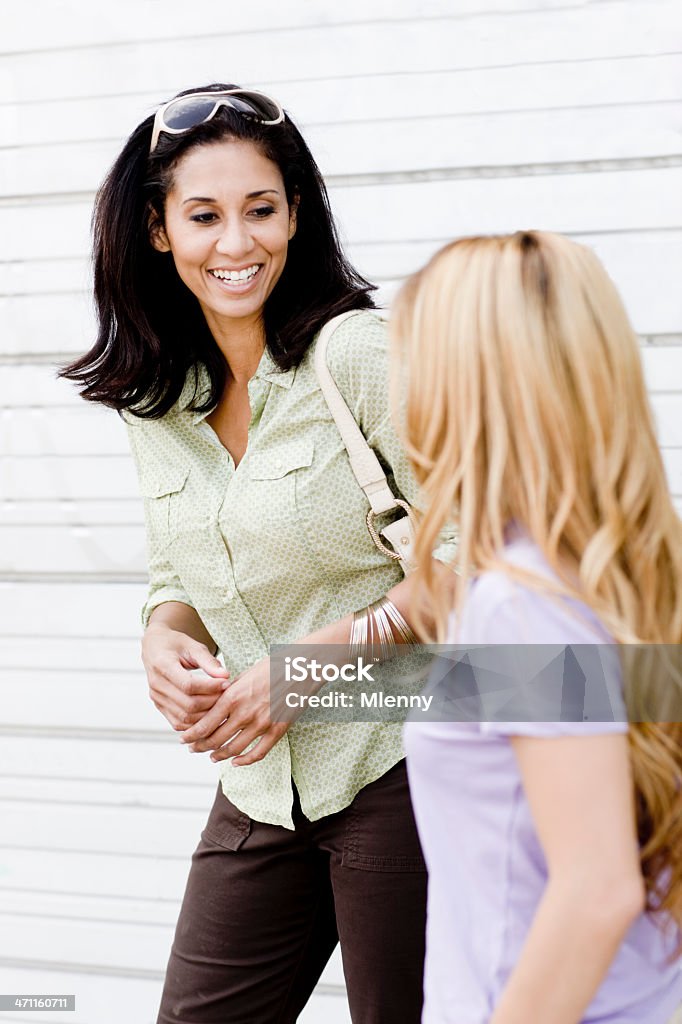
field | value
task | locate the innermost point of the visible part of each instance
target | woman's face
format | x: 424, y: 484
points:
x: 228, y: 226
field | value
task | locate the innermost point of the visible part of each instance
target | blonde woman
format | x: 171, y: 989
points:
x: 554, y: 896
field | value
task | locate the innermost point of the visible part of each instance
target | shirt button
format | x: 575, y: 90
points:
x: 229, y: 594
x: 278, y: 464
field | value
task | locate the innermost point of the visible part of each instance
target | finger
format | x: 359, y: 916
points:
x: 196, y: 655
x: 210, y: 722
x: 238, y: 744
x: 224, y: 734
x: 193, y: 682
x: 162, y: 688
x: 172, y: 714
x: 262, y: 747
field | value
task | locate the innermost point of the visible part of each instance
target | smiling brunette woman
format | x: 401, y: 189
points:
x: 216, y: 265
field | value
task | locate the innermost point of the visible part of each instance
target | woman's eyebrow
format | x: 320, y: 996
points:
x: 249, y: 195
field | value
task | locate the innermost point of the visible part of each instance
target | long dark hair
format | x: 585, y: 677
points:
x: 152, y: 330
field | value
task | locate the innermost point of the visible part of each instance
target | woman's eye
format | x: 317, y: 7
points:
x: 262, y: 211
x: 203, y: 218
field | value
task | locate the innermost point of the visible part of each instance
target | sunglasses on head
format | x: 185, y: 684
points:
x: 186, y: 112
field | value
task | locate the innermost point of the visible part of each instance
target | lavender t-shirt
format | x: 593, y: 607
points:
x: 486, y: 867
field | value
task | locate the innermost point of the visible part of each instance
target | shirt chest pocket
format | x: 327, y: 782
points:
x: 264, y: 503
x: 162, y: 490
x: 281, y: 461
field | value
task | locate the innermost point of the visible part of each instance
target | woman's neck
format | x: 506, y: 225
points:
x: 242, y: 343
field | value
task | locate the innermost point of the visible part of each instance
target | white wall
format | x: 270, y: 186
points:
x: 430, y: 119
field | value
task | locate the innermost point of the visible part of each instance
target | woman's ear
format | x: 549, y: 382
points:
x: 157, y: 233
x: 293, y: 211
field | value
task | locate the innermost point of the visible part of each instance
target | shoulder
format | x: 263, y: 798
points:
x: 503, y: 609
x: 357, y: 356
x: 357, y: 342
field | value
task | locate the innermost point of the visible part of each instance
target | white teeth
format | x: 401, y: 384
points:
x: 236, y: 276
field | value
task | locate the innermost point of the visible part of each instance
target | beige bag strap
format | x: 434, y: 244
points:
x: 364, y: 463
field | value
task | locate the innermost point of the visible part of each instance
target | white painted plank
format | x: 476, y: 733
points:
x: 378, y: 146
x: 53, y: 323
x: 331, y: 1009
x: 494, y: 140
x: 80, y: 24
x: 45, y: 276
x: 161, y: 760
x: 71, y: 513
x: 113, y: 876
x: 576, y: 203
x: 72, y: 609
x: 107, y: 792
x: 100, y: 699
x: 663, y: 367
x: 47, y: 477
x: 82, y: 655
x: 668, y: 415
x: 108, y: 550
x: 672, y: 459
x: 85, y: 429
x: 100, y: 998
x: 160, y: 832
x: 114, y: 944
x: 23, y: 386
x: 391, y: 96
x: 99, y: 909
x: 63, y: 229
x: 591, y: 31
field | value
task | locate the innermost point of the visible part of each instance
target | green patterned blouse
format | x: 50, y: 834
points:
x: 278, y: 547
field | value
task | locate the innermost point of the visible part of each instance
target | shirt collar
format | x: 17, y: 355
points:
x: 198, y: 382
x: 270, y: 371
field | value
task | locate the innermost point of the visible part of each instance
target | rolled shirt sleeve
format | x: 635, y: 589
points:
x: 164, y: 582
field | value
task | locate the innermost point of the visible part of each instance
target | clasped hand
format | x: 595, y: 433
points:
x: 240, y: 715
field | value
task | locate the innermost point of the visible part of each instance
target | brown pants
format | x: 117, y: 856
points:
x: 265, y: 907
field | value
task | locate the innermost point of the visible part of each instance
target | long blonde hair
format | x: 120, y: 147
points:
x: 526, y: 402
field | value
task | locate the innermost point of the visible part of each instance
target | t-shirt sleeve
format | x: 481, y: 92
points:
x: 358, y: 359
x: 164, y: 582
x: 542, y: 665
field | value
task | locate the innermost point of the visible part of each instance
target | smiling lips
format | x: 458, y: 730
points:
x: 236, y: 279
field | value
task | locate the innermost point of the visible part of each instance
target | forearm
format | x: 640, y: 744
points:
x: 338, y: 632
x: 569, y: 948
x: 183, y: 619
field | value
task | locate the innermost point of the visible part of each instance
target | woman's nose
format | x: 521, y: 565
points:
x: 235, y: 240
